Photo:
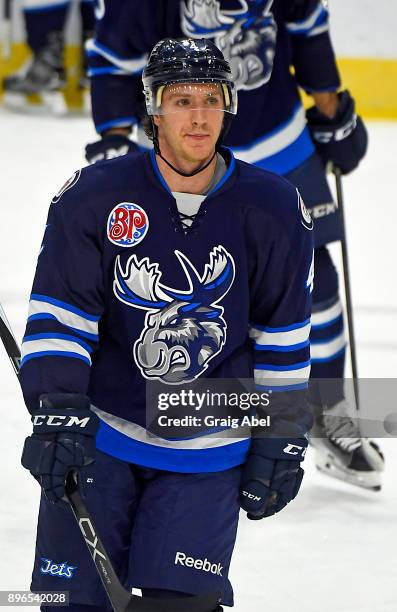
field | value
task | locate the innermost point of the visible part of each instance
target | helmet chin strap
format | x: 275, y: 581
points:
x: 158, y: 152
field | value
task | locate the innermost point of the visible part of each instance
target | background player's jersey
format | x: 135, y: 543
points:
x: 123, y: 295
x: 261, y: 39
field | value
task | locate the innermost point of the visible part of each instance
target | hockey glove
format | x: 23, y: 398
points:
x: 63, y: 439
x: 109, y: 147
x: 271, y: 476
x: 342, y: 140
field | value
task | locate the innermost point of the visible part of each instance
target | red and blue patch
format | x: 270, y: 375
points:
x: 127, y: 224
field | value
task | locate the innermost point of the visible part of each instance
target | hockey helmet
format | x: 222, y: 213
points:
x: 184, y: 62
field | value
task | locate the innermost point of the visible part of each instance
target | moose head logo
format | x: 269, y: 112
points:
x: 246, y: 36
x: 184, y: 329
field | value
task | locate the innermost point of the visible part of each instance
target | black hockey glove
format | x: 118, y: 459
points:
x: 342, y: 140
x: 271, y: 476
x: 63, y: 439
x: 109, y: 147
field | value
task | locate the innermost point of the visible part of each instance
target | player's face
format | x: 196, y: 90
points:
x: 191, y: 121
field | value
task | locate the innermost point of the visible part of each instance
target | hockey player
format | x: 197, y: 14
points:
x: 261, y: 39
x: 45, y: 24
x: 157, y: 268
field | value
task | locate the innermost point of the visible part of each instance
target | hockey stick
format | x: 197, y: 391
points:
x: 346, y: 278
x: 6, y: 29
x: 121, y: 599
x: 372, y: 448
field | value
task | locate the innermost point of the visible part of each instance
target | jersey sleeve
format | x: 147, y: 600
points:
x: 280, y: 320
x: 125, y: 34
x: 313, y: 58
x: 66, y: 303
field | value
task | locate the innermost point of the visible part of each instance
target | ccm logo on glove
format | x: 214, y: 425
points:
x: 271, y: 476
x: 56, y: 420
x: 289, y: 449
x: 339, y: 134
x: 250, y: 496
x: 63, y: 440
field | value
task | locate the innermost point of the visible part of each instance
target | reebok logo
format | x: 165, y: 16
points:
x: 200, y: 564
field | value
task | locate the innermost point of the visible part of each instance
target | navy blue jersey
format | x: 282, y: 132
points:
x: 262, y: 39
x: 124, y: 295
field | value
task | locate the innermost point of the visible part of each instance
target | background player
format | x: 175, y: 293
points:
x: 46, y: 75
x: 141, y: 279
x: 261, y: 39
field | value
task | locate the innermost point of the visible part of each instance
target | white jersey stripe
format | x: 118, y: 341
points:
x: 303, y: 26
x: 319, y: 30
x: 31, y: 347
x: 273, y: 144
x: 136, y: 432
x: 129, y: 66
x: 287, y: 338
x: 66, y: 317
x: 325, y: 316
x: 282, y: 377
x: 322, y: 350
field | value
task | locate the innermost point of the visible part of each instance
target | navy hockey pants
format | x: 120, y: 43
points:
x: 327, y: 337
x: 162, y: 530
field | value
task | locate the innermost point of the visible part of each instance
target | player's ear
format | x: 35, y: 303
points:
x: 156, y: 120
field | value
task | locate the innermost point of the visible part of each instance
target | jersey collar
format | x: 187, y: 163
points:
x: 224, y: 151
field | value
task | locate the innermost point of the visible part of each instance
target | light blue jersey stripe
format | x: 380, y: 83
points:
x: 289, y: 158
x: 54, y: 354
x: 46, y: 316
x: 281, y: 349
x: 215, y: 459
x: 45, y: 8
x: 121, y: 122
x: 49, y: 300
x: 309, y: 24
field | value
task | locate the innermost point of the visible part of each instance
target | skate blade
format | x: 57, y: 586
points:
x: 373, y: 456
x: 35, y: 104
x: 55, y: 103
x: 86, y: 102
x: 365, y: 480
x: 18, y: 102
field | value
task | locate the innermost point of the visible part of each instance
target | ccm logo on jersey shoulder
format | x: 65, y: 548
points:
x: 68, y: 185
x: 127, y: 224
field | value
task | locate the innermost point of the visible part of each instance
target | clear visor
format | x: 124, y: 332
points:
x: 183, y: 97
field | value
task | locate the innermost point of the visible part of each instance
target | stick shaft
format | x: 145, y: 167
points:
x: 348, y: 293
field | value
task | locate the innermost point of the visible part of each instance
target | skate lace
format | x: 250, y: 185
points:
x: 343, y: 431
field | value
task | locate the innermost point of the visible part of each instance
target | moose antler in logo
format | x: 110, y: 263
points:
x: 183, y: 330
x: 246, y: 36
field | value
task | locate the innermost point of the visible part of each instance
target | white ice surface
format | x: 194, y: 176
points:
x: 334, y: 549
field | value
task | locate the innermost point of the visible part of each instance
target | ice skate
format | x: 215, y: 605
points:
x: 341, y: 452
x: 45, y: 78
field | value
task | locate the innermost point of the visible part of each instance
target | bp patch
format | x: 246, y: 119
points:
x: 127, y: 224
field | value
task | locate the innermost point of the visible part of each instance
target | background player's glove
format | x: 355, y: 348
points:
x: 341, y: 140
x: 271, y: 476
x: 109, y: 147
x: 63, y: 439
